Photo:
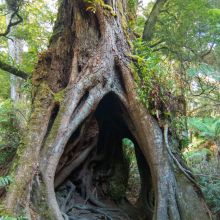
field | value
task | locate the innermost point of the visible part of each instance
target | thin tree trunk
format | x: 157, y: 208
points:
x: 152, y: 20
x: 15, y: 50
x: 84, y: 104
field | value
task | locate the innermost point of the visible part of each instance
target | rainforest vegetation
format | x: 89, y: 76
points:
x: 109, y: 109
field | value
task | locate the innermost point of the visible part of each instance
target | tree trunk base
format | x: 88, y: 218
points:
x: 85, y: 103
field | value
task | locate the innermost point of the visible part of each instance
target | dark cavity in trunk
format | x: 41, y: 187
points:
x: 93, y: 178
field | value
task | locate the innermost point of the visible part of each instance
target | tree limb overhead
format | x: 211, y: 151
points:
x: 12, y: 23
x: 10, y: 69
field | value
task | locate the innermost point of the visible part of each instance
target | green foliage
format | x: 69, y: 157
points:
x: 4, y: 85
x: 204, y: 92
x: 186, y: 29
x: 128, y: 143
x: 202, y: 161
x: 197, y: 156
x: 206, y: 170
x: 9, y: 135
x: 156, y: 87
x: 211, y: 189
x: 208, y: 128
x: 39, y: 17
x: 129, y: 154
x: 203, y: 69
x: 5, y: 181
x: 183, y: 38
x: 186, y: 35
x: 146, y: 68
x: 13, y: 218
x: 124, y: 172
x: 132, y: 8
x: 179, y: 125
x: 34, y: 32
x: 132, y: 4
x: 117, y: 187
x: 134, y: 184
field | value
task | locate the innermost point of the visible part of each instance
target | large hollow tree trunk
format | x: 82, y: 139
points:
x: 84, y: 103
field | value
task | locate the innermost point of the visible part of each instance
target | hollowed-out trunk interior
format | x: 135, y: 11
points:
x: 102, y: 173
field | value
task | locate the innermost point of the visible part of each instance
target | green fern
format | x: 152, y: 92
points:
x: 13, y: 218
x: 5, y: 181
x: 207, y: 128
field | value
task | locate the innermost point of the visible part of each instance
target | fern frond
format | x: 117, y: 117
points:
x: 5, y: 181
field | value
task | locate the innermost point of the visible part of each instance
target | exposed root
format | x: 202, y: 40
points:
x: 103, y: 211
x: 65, y: 216
x: 68, y: 213
x: 187, y: 173
x: 93, y: 210
x: 69, y: 196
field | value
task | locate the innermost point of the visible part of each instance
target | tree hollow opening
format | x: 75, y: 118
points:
x: 102, y: 173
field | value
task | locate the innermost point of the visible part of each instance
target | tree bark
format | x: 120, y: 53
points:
x: 84, y: 104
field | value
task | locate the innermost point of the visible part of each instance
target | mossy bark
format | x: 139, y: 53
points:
x: 88, y: 60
